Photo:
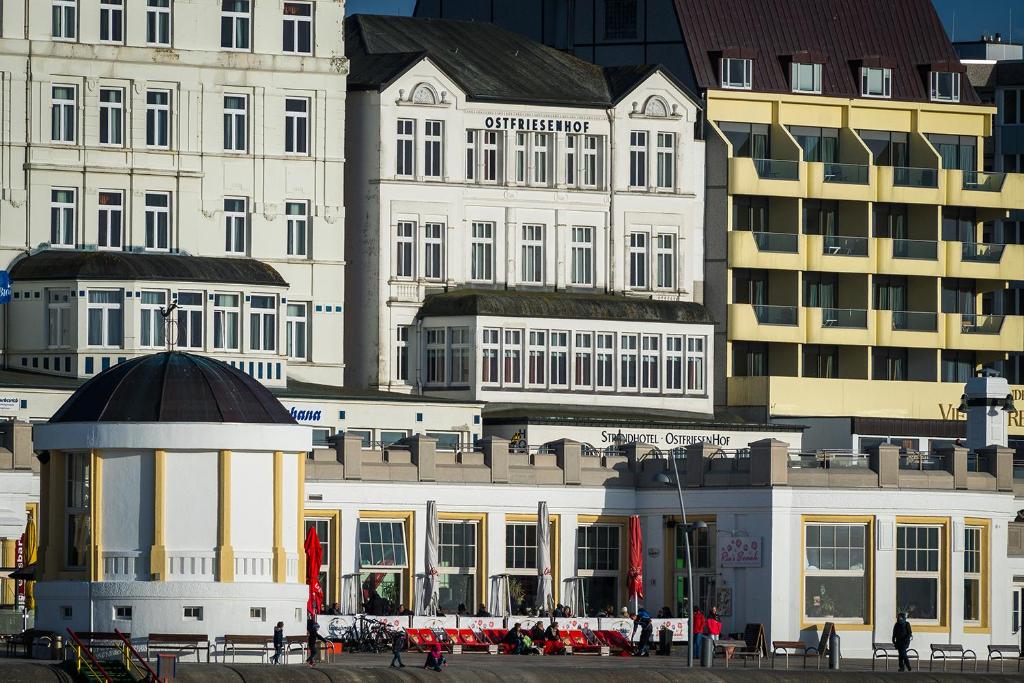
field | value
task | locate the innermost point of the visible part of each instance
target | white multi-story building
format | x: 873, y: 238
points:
x: 528, y: 227
x: 160, y: 152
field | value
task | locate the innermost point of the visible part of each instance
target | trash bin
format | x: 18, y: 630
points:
x: 665, y: 642
x: 166, y: 665
x: 44, y: 647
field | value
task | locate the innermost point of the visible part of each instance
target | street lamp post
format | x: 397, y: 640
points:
x: 664, y: 479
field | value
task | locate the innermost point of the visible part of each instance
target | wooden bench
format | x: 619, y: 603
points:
x: 783, y: 647
x: 1001, y: 653
x: 294, y: 644
x: 178, y: 644
x: 944, y: 652
x: 260, y: 645
x: 887, y: 651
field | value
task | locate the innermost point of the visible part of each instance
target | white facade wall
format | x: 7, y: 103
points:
x: 194, y: 168
x: 127, y: 524
x: 379, y: 198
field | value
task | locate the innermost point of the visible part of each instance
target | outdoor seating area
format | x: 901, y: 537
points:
x: 944, y: 652
x: 887, y: 651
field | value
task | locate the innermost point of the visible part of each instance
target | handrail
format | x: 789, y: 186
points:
x: 93, y: 663
x: 130, y: 650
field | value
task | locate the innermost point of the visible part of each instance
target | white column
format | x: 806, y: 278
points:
x: 657, y: 585
x: 495, y: 553
x: 567, y: 523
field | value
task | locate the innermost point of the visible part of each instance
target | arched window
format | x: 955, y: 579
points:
x: 656, y: 106
x: 424, y: 94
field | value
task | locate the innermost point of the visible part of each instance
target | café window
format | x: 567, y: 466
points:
x: 736, y: 73
x: 975, y: 542
x: 703, y: 549
x: 919, y: 575
x: 945, y: 86
x: 598, y: 564
x: 324, y: 534
x: 383, y: 559
x: 835, y: 572
x: 78, y: 488
x: 521, y: 564
x: 457, y: 560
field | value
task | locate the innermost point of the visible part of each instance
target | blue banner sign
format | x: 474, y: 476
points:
x: 5, y: 287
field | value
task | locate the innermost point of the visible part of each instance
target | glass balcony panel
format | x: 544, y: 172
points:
x: 982, y: 253
x: 915, y: 321
x: 853, y: 174
x: 924, y: 250
x: 972, y: 323
x: 775, y: 315
x: 854, y: 318
x: 905, y: 176
x: 784, y: 242
x: 840, y: 245
x: 984, y: 182
x: 777, y: 169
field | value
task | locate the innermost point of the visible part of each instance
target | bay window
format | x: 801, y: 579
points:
x: 152, y: 328
x: 459, y: 344
x: 605, y: 363
x: 559, y: 355
x: 105, y: 315
x: 58, y: 318
x: 627, y: 361
x: 835, y: 572
x: 674, y: 364
x: 583, y: 349
x: 489, y: 351
x: 650, y: 362
x: 263, y: 323
x: 919, y: 579
x: 190, y: 320
x: 536, y: 358
x: 435, y: 356
x: 226, y: 316
x: 512, y: 353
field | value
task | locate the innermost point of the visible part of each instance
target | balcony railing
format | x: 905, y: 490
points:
x: 915, y: 321
x: 924, y: 250
x: 777, y: 169
x: 972, y: 323
x: 982, y: 253
x: 775, y: 315
x: 905, y: 176
x: 852, y: 174
x: 840, y: 245
x: 784, y: 242
x: 984, y: 182
x: 852, y: 318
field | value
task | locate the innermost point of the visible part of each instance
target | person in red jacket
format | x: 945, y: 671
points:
x: 713, y: 626
x: 698, y: 631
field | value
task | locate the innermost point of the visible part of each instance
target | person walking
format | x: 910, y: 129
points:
x: 313, y: 639
x: 435, y: 658
x: 397, y: 645
x: 902, y: 634
x: 643, y: 621
x: 278, y: 643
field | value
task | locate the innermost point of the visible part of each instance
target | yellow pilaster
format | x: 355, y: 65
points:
x: 44, y: 514
x: 279, y: 556
x: 301, y: 526
x: 225, y: 553
x: 55, y: 550
x: 96, y: 515
x: 158, y: 553
x: 8, y: 555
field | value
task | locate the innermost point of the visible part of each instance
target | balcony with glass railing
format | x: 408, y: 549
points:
x: 766, y: 323
x: 985, y: 261
x: 777, y: 169
x: 907, y: 176
x: 984, y: 332
x: 841, y: 181
x: 909, y: 329
x: 909, y: 257
x: 911, y: 185
x: 984, y: 190
x: 766, y: 250
x: 840, y: 253
x: 766, y: 177
x: 847, y: 174
x: 850, y: 326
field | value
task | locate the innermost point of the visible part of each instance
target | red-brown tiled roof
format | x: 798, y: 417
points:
x: 905, y: 33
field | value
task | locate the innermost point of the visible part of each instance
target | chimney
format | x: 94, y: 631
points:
x: 987, y: 401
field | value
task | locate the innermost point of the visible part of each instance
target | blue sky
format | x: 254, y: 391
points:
x: 968, y: 19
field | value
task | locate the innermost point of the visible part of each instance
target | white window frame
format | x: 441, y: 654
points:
x: 434, y: 251
x: 297, y: 228
x: 297, y: 335
x: 935, y: 78
x: 227, y: 317
x: 405, y: 250
x: 974, y: 571
x: 491, y: 162
x: 521, y: 157
x: 63, y: 218
x: 639, y: 268
x: 236, y: 18
x: 189, y: 319
x: 604, y: 361
x: 650, y: 364
x: 64, y: 114
x: 582, y: 256
x: 158, y: 221
x: 665, y: 260
x: 886, y: 82
x: 696, y: 364
x: 64, y: 20
x: 798, y: 74
x: 591, y: 172
x: 110, y: 313
x: 433, y: 149
x: 490, y: 356
x: 263, y: 323
x: 532, y: 250
x: 395, y: 524
x: 112, y: 21
x: 112, y: 117
x: 589, y: 547
x: 558, y: 359
x: 629, y: 356
x: 537, y: 358
x: 471, y: 155
x: 405, y: 148
x: 58, y: 318
x: 512, y: 358
x: 521, y: 531
x: 460, y: 356
x: 745, y: 76
x: 638, y: 171
x: 110, y: 220
x: 159, y: 24
x: 838, y: 551
x: 572, y: 175
x: 675, y: 364
x: 936, y: 574
x: 236, y: 123
x: 297, y: 21
x: 469, y: 552
x: 296, y: 126
x: 158, y: 119
x: 583, y: 360
x: 482, y: 248
x: 402, y: 353
x: 665, y: 160
x: 152, y: 324
x: 541, y: 144
x: 236, y: 225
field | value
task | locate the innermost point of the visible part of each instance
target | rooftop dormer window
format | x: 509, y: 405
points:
x: 876, y: 81
x: 945, y: 86
x: 806, y: 78
x: 736, y: 73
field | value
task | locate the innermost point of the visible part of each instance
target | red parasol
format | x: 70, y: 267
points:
x: 314, y: 560
x: 635, y: 574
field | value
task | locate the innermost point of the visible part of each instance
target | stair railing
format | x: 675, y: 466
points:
x: 85, y: 657
x: 133, y: 661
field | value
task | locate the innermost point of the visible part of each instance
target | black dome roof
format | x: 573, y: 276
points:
x: 173, y: 387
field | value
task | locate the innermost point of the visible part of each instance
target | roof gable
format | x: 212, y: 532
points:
x: 906, y: 35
